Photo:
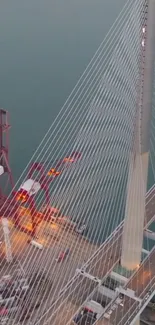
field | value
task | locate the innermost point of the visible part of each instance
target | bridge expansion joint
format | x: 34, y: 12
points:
x: 129, y: 293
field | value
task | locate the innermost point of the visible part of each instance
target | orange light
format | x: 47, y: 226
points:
x: 54, y: 226
x: 68, y: 159
x: 21, y: 197
x: 53, y: 172
x: 57, y: 173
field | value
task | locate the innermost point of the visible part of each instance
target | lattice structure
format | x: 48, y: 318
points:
x: 4, y: 150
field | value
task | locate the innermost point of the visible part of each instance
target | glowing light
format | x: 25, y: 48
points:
x: 68, y: 159
x: 143, y: 43
x: 21, y: 197
x: 143, y: 29
x: 54, y: 227
x: 53, y: 172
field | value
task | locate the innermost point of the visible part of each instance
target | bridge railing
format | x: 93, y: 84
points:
x: 102, y: 246
x: 138, y: 309
x: 113, y: 234
x: 109, y: 306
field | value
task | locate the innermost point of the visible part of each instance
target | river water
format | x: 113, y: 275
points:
x: 45, y: 47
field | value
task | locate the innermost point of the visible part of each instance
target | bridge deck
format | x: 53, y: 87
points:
x: 73, y: 297
x: 141, y: 282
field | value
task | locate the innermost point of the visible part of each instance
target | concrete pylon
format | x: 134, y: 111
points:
x: 138, y: 168
x: 135, y: 212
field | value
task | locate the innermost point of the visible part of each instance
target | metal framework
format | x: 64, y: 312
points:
x: 43, y: 179
x: 30, y: 200
x: 4, y: 150
x: 8, y: 208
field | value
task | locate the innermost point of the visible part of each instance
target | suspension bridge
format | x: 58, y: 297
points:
x: 80, y: 214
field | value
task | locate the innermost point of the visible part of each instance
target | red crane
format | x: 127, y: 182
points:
x: 28, y: 190
x: 7, y: 207
x: 4, y: 150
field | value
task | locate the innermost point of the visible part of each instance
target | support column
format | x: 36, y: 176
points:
x: 137, y: 179
x: 135, y: 211
x: 138, y: 169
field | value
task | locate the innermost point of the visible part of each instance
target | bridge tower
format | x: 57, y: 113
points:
x: 138, y: 168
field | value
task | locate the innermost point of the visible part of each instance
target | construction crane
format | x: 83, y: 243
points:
x: 28, y: 190
x: 6, y: 179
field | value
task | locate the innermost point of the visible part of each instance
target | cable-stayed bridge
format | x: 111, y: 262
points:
x: 100, y: 144
x: 98, y: 268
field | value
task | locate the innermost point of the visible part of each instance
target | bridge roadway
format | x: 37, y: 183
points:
x: 65, y: 306
x: 141, y: 282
